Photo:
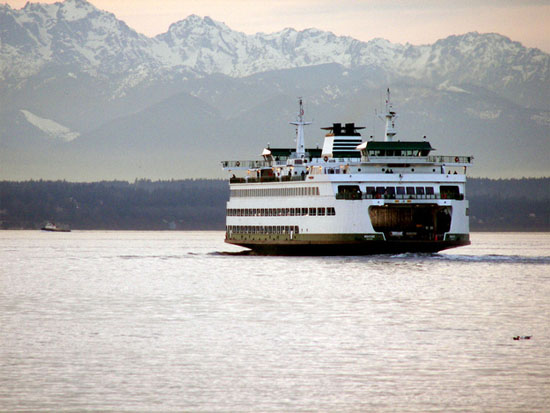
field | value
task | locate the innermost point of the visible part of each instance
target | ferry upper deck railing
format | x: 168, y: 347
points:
x: 282, y: 161
x: 431, y: 159
x: 283, y: 178
x: 247, y: 164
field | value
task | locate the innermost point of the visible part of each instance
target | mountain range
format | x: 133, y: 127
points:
x: 85, y: 97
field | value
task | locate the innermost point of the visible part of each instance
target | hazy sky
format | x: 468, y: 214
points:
x: 400, y: 21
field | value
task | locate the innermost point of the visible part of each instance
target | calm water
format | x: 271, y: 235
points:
x: 169, y: 321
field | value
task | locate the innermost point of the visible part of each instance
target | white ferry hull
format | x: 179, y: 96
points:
x: 315, y: 219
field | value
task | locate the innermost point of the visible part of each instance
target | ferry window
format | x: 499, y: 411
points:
x: 297, y: 229
x: 390, y: 190
x: 304, y: 211
x: 420, y: 190
x: 410, y: 190
x: 321, y: 211
x: 450, y: 192
x: 429, y: 190
x: 348, y: 192
x: 292, y: 212
x: 380, y: 190
x: 312, y: 211
x: 331, y: 211
x: 400, y: 190
x: 370, y: 190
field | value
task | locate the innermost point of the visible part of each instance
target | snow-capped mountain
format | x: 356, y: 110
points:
x: 75, y: 80
x: 70, y: 33
x: 74, y: 32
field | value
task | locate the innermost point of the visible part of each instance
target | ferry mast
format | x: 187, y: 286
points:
x: 389, y: 117
x: 300, y: 143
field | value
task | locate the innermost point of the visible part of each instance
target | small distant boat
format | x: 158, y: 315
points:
x: 53, y: 227
x: 522, y: 337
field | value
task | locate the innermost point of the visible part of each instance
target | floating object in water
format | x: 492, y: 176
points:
x: 522, y: 337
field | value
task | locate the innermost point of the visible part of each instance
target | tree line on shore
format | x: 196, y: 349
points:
x: 199, y: 204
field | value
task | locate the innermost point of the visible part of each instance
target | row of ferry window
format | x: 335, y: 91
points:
x: 280, y: 212
x: 400, y: 190
x: 263, y: 229
x: 296, y: 191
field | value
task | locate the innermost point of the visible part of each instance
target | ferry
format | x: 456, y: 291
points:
x: 350, y: 197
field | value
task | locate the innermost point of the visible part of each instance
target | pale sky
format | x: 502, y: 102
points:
x: 399, y: 21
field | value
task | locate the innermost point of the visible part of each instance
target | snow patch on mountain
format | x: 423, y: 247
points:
x: 542, y: 118
x: 445, y: 86
x: 489, y: 114
x: 51, y: 128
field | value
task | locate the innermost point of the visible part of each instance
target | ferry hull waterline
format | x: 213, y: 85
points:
x: 352, y: 197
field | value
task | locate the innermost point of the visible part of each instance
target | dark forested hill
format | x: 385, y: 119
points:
x: 509, y: 204
x: 143, y: 205
x: 495, y: 205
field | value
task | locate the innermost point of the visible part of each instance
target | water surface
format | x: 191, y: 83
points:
x: 174, y: 321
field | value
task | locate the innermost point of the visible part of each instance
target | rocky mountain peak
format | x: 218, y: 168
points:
x: 74, y: 32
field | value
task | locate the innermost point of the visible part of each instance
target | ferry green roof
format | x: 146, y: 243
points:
x: 401, y: 146
x: 285, y: 152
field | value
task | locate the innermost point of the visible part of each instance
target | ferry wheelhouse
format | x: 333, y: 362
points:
x: 350, y: 197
